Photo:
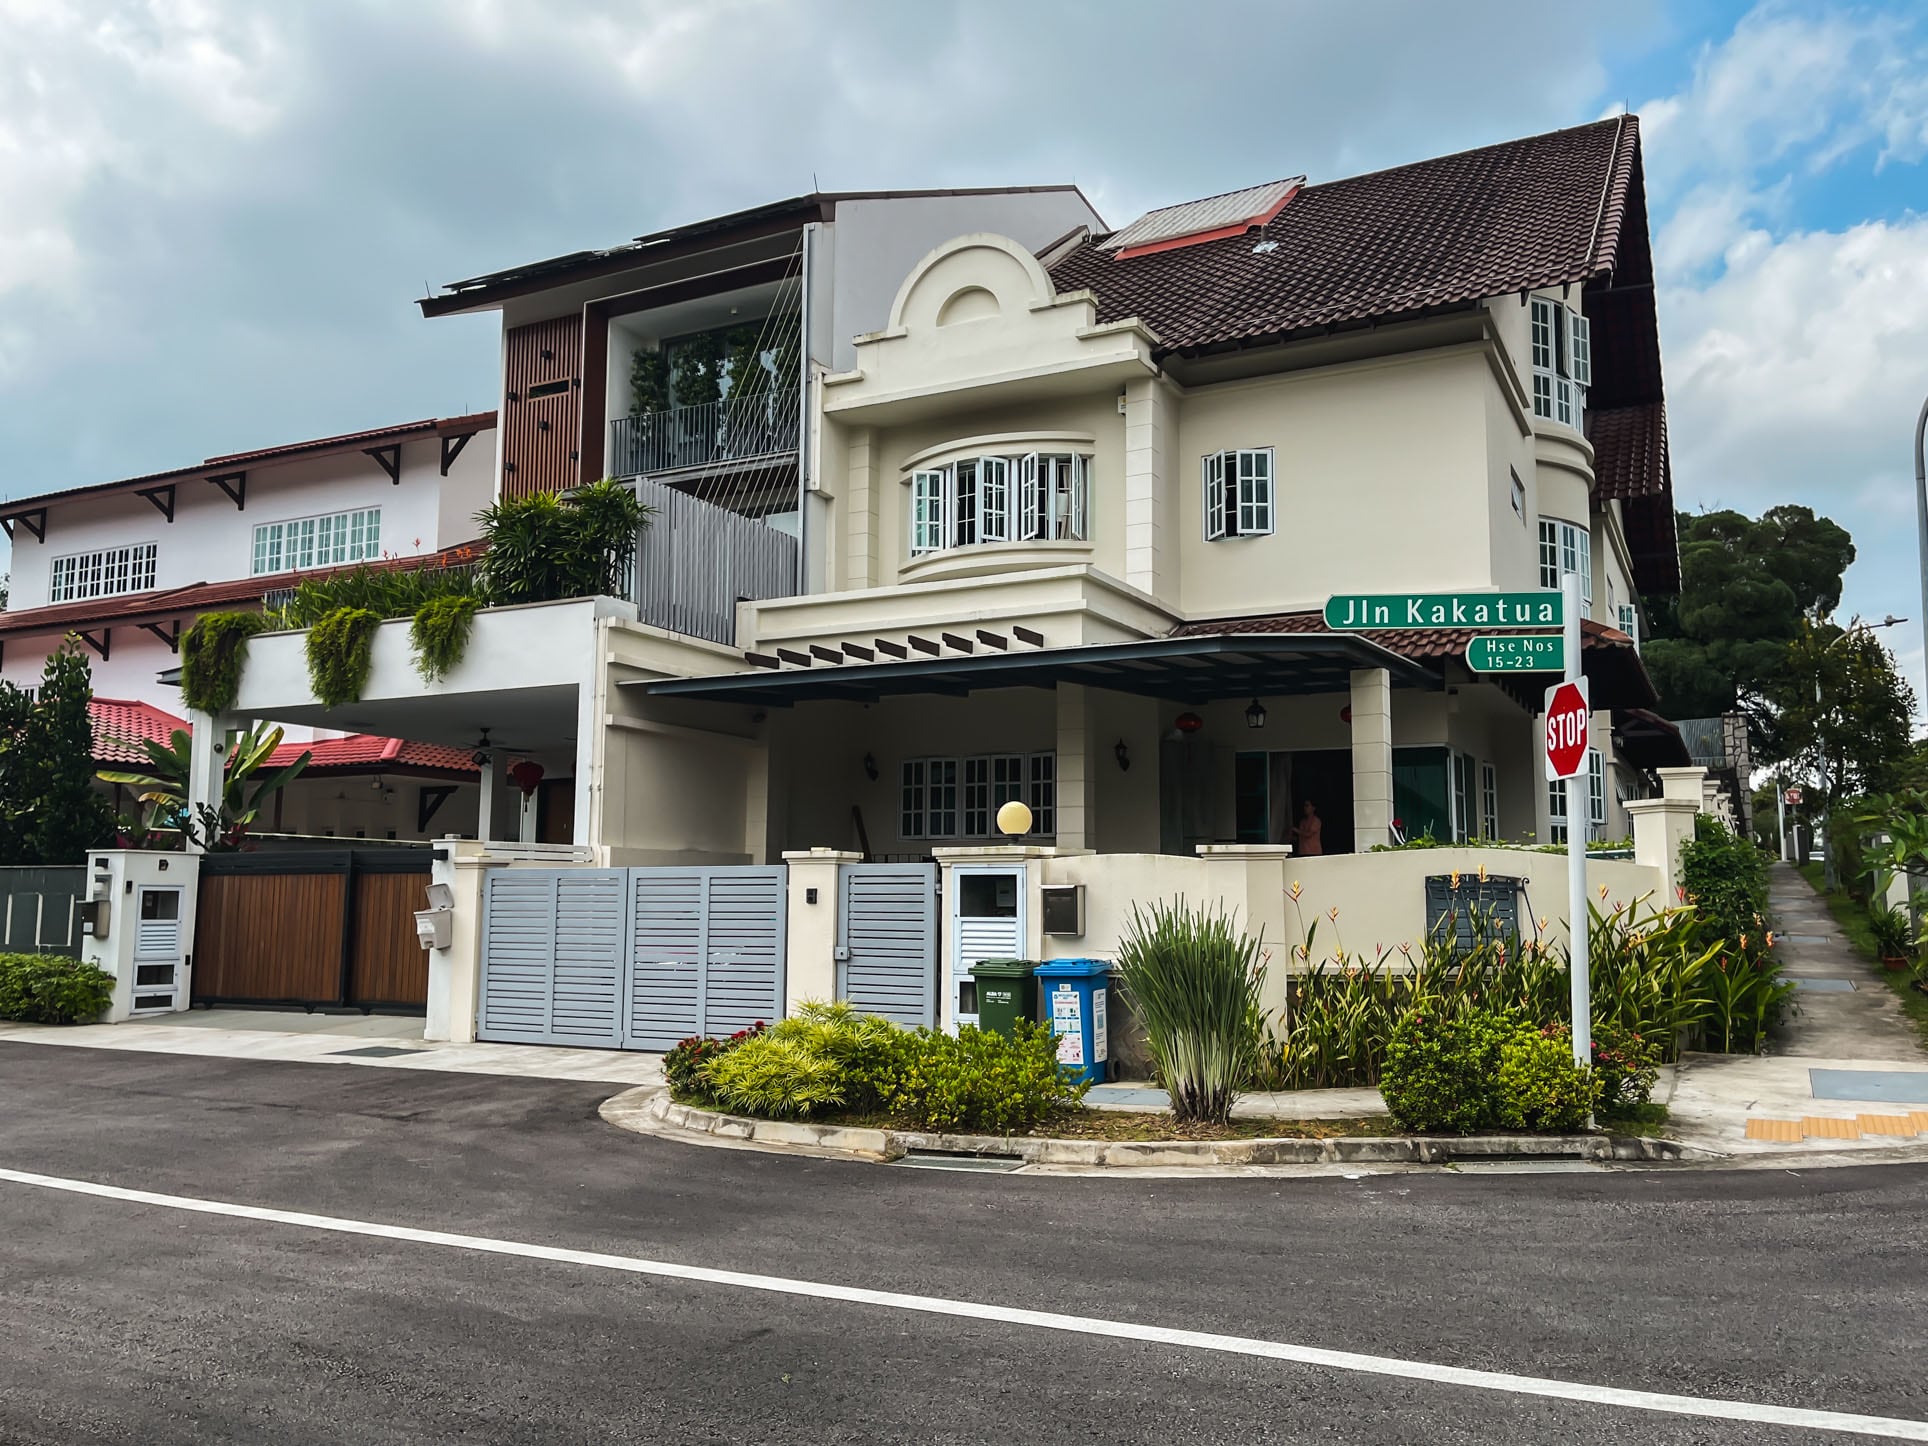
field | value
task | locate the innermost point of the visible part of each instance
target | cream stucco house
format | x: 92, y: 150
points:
x: 964, y: 497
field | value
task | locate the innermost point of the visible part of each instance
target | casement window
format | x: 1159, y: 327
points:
x: 1562, y: 356
x: 1519, y: 498
x: 327, y: 541
x: 1489, y: 801
x: 1238, y: 490
x: 1034, y: 497
x: 1556, y: 799
x: 106, y: 573
x: 959, y: 797
x: 1566, y: 548
x: 1630, y: 623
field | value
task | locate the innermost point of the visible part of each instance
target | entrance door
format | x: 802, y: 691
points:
x: 158, y: 964
x: 887, y: 940
x: 1273, y: 788
x: 987, y: 922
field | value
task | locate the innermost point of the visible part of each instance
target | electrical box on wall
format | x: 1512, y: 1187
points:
x: 1063, y: 910
x: 95, y: 916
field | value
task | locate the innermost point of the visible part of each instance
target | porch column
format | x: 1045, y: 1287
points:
x: 1076, y: 775
x: 207, y: 765
x: 485, y: 806
x: 1371, y: 758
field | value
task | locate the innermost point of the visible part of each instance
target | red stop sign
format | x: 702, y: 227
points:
x: 1566, y: 729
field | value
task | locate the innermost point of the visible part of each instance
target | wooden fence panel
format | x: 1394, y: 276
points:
x: 265, y: 937
x: 389, y: 964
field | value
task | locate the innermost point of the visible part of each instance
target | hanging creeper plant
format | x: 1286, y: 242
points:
x: 440, y: 635
x: 339, y: 648
x: 212, y: 654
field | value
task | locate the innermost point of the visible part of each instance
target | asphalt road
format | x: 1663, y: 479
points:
x: 123, y: 1321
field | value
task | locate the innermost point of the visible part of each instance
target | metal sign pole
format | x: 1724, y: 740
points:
x: 1577, y: 806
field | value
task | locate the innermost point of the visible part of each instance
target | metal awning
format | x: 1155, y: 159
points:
x: 1179, y: 670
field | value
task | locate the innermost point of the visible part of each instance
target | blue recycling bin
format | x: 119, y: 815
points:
x: 1073, y: 994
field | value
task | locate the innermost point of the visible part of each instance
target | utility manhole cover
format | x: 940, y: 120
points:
x: 1891, y: 1086
x: 378, y: 1051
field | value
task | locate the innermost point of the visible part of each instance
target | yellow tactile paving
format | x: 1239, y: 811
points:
x: 1816, y: 1128
x: 1886, y: 1125
x: 1786, y: 1132
x: 1920, y: 1118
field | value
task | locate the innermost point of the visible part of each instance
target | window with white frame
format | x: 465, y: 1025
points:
x: 330, y: 540
x: 1630, y: 622
x: 1566, y: 548
x: 104, y: 573
x: 1464, y: 797
x: 1562, y: 356
x: 959, y: 797
x: 1238, y: 490
x: 1489, y: 801
x: 1556, y: 799
x: 1034, y: 497
x: 1519, y: 498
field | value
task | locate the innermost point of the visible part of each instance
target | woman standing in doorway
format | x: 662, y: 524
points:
x: 1305, y: 836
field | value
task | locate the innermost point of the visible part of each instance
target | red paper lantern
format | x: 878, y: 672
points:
x: 525, y: 774
x: 1188, y: 722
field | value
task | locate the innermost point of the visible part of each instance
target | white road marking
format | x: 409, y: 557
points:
x: 1847, y: 1423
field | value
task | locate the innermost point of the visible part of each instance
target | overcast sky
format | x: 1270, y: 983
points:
x: 215, y: 215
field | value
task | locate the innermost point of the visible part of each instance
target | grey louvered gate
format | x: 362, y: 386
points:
x: 630, y: 958
x: 553, y: 950
x: 887, y: 940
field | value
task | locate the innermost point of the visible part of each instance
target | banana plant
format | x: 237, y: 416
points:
x: 163, y: 784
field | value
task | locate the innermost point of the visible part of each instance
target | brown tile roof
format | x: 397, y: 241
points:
x: 1630, y: 452
x: 232, y: 461
x: 1611, y: 660
x: 1540, y: 211
x: 139, y: 607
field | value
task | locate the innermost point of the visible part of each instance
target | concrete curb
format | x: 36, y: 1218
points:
x: 651, y: 1111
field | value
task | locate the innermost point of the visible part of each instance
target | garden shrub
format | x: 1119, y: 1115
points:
x: 980, y: 1082
x: 1625, y: 1068
x: 1539, y: 1085
x: 52, y: 989
x: 439, y: 635
x: 1442, y: 1069
x: 683, y: 1065
x: 390, y: 590
x: 1893, y: 935
x: 775, y: 1078
x: 1725, y: 877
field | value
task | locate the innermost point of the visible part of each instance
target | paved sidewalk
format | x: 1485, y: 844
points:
x: 340, y: 1039
x: 1847, y: 1074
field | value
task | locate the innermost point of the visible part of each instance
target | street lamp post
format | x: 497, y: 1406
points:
x: 1921, y: 520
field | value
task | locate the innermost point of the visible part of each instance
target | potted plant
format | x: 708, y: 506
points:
x: 1893, y: 937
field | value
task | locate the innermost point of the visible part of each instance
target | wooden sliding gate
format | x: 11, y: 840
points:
x: 321, y: 929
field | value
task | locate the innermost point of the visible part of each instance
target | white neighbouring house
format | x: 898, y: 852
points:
x: 127, y: 566
x: 962, y: 498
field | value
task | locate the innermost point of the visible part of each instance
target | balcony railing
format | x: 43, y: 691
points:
x: 740, y: 429
x: 695, y: 561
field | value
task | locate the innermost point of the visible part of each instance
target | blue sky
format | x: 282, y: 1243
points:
x: 215, y: 215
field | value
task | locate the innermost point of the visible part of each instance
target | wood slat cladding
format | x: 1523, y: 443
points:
x: 390, y: 966
x: 542, y: 407
x: 269, y: 937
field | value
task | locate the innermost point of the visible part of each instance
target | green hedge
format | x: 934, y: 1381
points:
x: 52, y: 989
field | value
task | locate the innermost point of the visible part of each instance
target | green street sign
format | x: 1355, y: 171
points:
x: 1365, y: 611
x: 1532, y: 653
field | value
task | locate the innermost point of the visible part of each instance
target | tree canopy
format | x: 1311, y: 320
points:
x: 1840, y: 709
x: 1748, y: 587
x: 50, y: 812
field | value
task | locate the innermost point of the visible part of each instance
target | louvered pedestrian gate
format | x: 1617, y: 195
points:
x: 630, y: 958
x: 887, y: 940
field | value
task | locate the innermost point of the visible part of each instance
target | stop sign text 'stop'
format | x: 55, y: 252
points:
x: 1567, y: 716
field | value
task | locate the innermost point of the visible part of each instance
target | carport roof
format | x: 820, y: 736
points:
x: 1178, y: 669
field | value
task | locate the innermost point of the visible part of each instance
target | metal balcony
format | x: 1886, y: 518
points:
x: 739, y: 429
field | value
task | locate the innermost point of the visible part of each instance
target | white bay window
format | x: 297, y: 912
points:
x: 972, y: 501
x: 1562, y: 357
x: 332, y: 540
x: 1238, y: 493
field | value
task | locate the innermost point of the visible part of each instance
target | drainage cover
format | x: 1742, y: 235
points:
x: 1825, y: 986
x: 378, y: 1051
x: 1526, y: 1167
x: 929, y: 1160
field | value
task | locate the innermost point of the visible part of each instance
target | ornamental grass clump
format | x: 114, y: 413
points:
x: 1194, y: 980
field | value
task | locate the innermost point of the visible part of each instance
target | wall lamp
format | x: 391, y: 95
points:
x: 870, y: 767
x: 1123, y: 755
x: 1255, y: 715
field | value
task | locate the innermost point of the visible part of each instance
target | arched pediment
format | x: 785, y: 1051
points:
x: 970, y: 278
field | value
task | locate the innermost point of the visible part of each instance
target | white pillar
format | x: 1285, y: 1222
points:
x: 1371, y: 758
x: 485, y: 806
x: 810, y: 968
x: 207, y: 766
x: 454, y: 973
x: 1076, y: 777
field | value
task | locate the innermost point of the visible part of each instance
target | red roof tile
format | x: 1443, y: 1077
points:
x: 196, y: 597
x: 366, y: 753
x: 1540, y: 211
x: 121, y: 724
